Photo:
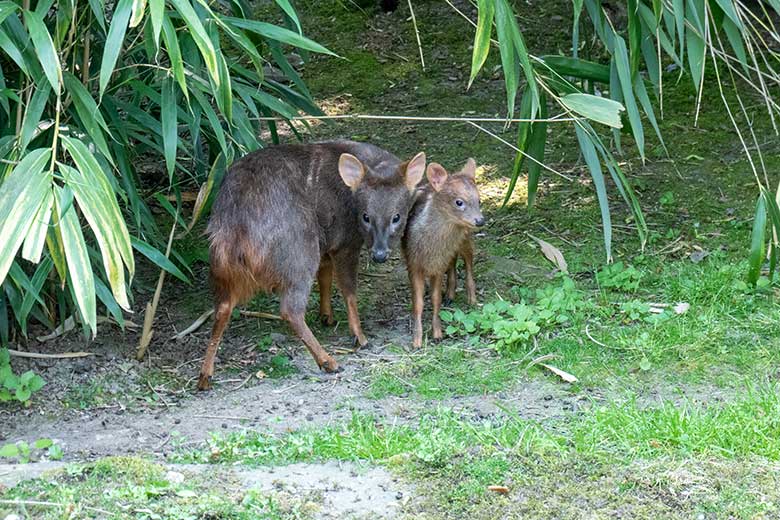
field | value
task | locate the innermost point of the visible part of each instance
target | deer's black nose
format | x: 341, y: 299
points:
x: 379, y: 256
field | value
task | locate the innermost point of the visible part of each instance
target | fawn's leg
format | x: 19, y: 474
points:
x: 467, y: 251
x: 222, y: 312
x: 417, y: 281
x: 452, y: 280
x: 292, y: 310
x: 436, y: 302
x: 325, y: 283
x: 345, y: 267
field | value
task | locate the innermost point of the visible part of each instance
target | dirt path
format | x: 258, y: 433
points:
x: 277, y: 405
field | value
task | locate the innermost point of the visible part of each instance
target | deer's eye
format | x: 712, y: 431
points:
x: 396, y: 218
x: 459, y: 203
x: 366, y: 219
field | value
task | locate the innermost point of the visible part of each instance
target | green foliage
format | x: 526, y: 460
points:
x: 619, y: 277
x: 511, y: 325
x: 91, y: 94
x: 17, y: 387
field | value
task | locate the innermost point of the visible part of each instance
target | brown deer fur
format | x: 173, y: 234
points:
x: 287, y: 214
x: 438, y: 231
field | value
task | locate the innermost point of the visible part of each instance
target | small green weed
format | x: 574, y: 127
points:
x: 619, y: 277
x: 22, y: 452
x: 17, y: 387
x: 511, y: 325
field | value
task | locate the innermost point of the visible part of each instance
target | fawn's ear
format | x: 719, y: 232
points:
x: 437, y: 175
x: 469, y: 169
x: 351, y: 170
x: 414, y: 171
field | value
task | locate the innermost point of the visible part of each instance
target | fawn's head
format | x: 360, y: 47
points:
x: 384, y: 196
x: 457, y: 194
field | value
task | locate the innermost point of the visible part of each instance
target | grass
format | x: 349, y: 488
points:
x: 682, y: 450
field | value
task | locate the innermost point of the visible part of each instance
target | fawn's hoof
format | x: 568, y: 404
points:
x: 447, y: 301
x: 330, y: 366
x: 358, y: 344
x: 204, y: 382
x: 327, y: 320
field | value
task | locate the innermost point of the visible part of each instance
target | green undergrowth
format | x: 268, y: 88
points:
x: 627, y: 326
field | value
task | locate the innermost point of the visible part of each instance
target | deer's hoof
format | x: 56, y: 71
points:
x: 330, y: 366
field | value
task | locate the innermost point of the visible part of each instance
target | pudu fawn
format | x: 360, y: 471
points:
x: 287, y: 214
x: 438, y: 232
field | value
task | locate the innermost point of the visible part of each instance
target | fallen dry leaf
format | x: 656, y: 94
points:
x: 553, y: 254
x: 560, y: 373
x: 499, y: 489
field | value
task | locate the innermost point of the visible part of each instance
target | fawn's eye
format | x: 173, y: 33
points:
x: 459, y: 203
x: 366, y: 219
x: 396, y: 218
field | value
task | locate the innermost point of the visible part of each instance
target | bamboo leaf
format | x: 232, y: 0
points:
x: 89, y: 113
x: 32, y: 116
x: 32, y: 295
x: 757, y: 241
x: 156, y: 13
x: 80, y: 275
x: 204, y: 194
x: 592, y: 160
x: 98, y: 215
x: 102, y: 198
x: 114, y: 41
x: 578, y: 68
x: 199, y: 35
x: 139, y: 7
x: 536, y: 146
x: 279, y: 34
x: 634, y: 36
x: 169, y: 125
x: 599, y: 109
x: 289, y: 10
x: 36, y: 236
x: 21, y: 194
x: 44, y: 49
x: 157, y: 258
x: 644, y: 100
x: 486, y: 13
x: 509, y: 62
x: 174, y: 53
x: 624, y: 73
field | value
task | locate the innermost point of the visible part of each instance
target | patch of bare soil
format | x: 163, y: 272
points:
x: 328, y: 490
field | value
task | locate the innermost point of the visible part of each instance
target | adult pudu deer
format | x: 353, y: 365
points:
x: 438, y: 232
x: 287, y: 214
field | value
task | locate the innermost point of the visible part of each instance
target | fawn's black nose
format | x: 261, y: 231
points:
x: 379, y: 256
x: 479, y: 222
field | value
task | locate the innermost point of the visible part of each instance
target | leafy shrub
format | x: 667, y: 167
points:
x: 511, y: 325
x: 620, y: 277
x: 17, y: 388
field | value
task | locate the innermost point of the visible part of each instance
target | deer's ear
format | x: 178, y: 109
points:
x: 469, y: 169
x: 351, y: 170
x: 437, y: 175
x: 414, y: 171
